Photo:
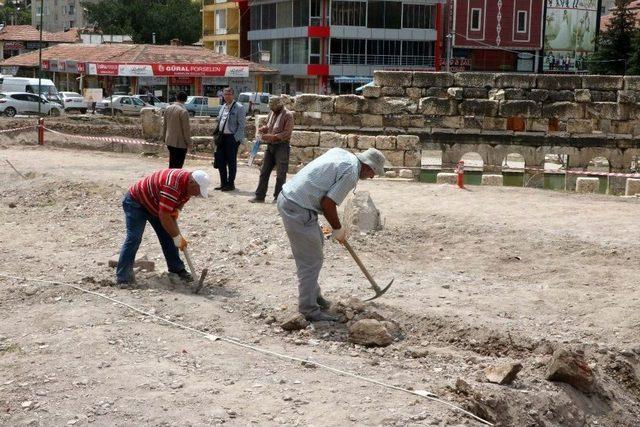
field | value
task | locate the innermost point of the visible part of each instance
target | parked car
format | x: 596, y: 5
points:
x: 12, y: 103
x: 121, y: 105
x: 152, y: 100
x: 29, y: 85
x: 199, y: 106
x: 255, y: 102
x: 73, y: 101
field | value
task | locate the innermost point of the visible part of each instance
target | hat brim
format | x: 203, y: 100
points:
x: 377, y: 170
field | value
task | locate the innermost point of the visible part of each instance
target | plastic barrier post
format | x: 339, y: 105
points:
x: 460, y: 172
x: 41, y: 131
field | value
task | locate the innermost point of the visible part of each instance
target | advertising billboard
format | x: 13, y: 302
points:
x: 571, y: 27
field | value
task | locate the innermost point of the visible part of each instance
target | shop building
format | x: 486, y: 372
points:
x: 224, y: 26
x: 19, y: 39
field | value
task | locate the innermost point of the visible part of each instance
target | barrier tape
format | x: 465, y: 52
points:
x: 17, y: 129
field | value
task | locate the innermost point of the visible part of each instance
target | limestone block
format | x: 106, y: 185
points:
x: 582, y: 95
x: 452, y: 122
x: 563, y: 110
x: 538, y: 95
x: 455, y: 93
x: 385, y: 142
x: 437, y: 92
x: 520, y: 109
x: 431, y: 79
x: 561, y: 95
x: 475, y: 79
x: 301, y: 155
x: 372, y: 91
x: 479, y: 107
x: 556, y: 82
x: 475, y: 93
x: 627, y: 97
x: 579, y: 126
x: 514, y: 94
x: 497, y: 95
x: 493, y: 180
x: 391, y: 174
x: 632, y: 187
x: 604, y: 96
x: 394, y: 158
x: 602, y: 82
x: 413, y: 159
x: 406, y: 173
x: 330, y: 119
x: 300, y: 138
x: 587, y: 184
x: 369, y: 332
x: 446, y: 178
x: 603, y: 110
x: 631, y: 82
x: 151, y: 123
x: 392, y: 78
x: 604, y: 125
x: 349, y: 104
x: 393, y: 91
x: 622, y: 126
x: 389, y: 105
x: 523, y: 81
x: 403, y: 120
x: 414, y: 92
x: 537, y: 125
x: 361, y: 214
x: 438, y: 107
x: 352, y: 141
x: 311, y: 118
x: 472, y: 122
x: 371, y: 120
x: 352, y: 120
x: 317, y: 152
x: 317, y: 103
x: 366, y: 141
x: 408, y: 142
x: 332, y: 139
x: 494, y: 123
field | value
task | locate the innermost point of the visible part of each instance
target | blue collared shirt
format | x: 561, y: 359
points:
x: 334, y: 175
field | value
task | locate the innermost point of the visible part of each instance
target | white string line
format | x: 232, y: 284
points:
x: 421, y: 393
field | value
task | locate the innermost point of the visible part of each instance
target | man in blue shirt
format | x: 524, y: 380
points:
x: 319, y: 188
x: 231, y: 123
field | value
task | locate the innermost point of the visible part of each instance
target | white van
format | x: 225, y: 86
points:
x: 255, y: 102
x: 23, y: 84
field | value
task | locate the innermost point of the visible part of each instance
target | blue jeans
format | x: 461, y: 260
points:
x: 136, y: 217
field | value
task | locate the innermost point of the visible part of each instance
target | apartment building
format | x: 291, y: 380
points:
x: 322, y: 46
x: 224, y: 26
x: 59, y: 15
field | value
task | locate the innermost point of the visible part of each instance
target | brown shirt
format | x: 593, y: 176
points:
x: 280, y: 125
x: 176, y: 131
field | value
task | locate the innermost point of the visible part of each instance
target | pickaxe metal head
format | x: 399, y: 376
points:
x: 380, y: 292
x: 200, y: 281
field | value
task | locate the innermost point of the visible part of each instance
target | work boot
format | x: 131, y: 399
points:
x: 228, y: 188
x: 323, y: 303
x: 126, y: 285
x: 256, y: 200
x: 185, y: 275
x: 320, y: 316
x: 219, y: 187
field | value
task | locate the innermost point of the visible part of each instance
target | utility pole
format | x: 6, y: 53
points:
x: 449, y: 37
x: 40, y: 58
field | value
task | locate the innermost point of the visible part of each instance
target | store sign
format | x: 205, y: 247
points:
x: 456, y: 64
x: 168, y: 70
x: 13, y: 46
x: 133, y: 70
x: 10, y: 71
x: 35, y: 45
x: 152, y: 81
x: 180, y: 81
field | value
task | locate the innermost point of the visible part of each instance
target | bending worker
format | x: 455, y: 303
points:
x: 158, y: 199
x: 319, y: 188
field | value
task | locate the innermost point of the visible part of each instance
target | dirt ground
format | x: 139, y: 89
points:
x: 483, y: 276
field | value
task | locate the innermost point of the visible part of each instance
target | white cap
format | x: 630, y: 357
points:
x: 203, y: 181
x: 374, y: 159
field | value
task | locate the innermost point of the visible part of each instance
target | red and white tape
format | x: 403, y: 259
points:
x: 17, y: 129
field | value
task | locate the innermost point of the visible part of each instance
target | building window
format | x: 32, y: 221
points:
x: 314, y: 50
x: 353, y: 13
x: 348, y: 51
x: 300, y: 13
x: 72, y: 9
x: 419, y: 16
x: 284, y: 12
x: 268, y: 16
x: 476, y: 15
x: 220, y: 46
x: 418, y: 53
x: 383, y: 52
x: 384, y: 14
x: 221, y: 21
x: 522, y: 21
x: 315, y: 13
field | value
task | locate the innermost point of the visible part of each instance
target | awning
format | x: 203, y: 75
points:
x: 361, y: 88
x: 354, y: 79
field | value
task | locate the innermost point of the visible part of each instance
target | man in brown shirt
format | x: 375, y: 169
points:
x: 276, y: 135
x: 176, y: 131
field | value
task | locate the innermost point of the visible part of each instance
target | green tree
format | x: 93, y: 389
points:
x: 614, y: 45
x: 14, y: 13
x: 168, y: 19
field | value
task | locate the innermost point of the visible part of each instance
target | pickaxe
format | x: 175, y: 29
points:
x: 379, y: 292
x: 200, y: 282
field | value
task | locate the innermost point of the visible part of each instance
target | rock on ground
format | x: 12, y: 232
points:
x: 571, y: 368
x: 369, y: 332
x: 294, y: 322
x: 361, y: 214
x: 502, y: 374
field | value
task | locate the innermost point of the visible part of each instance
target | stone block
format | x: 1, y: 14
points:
x: 352, y: 120
x: 479, y: 107
x: 485, y: 80
x: 406, y: 173
x: 361, y: 214
x: 582, y: 95
x: 403, y: 120
x: 385, y: 142
x: 317, y: 152
x: 394, y: 158
x: 631, y: 82
x: 472, y: 122
x: 332, y: 139
x: 301, y: 155
x: 557, y: 82
x: 414, y: 92
x: 315, y: 103
x: 141, y: 262
x: 627, y: 97
x: 538, y: 95
x: 529, y: 109
x: 514, y: 94
x: 330, y: 119
x: 602, y: 82
x: 301, y: 138
x: 497, y: 95
x: 603, y: 110
x: 311, y: 119
x: 438, y: 107
x: 494, y: 123
x: 391, y: 174
x: 522, y: 81
x: 366, y: 141
x: 604, y: 96
x: 437, y: 92
x: 393, y: 78
x: 412, y: 159
x: 579, y: 126
x: 537, y: 125
x: 475, y: 93
x: 372, y: 91
x: 446, y: 178
x: 452, y: 122
x: 492, y: 180
x: 389, y: 105
x: 393, y: 91
x: 431, y: 79
x: 502, y: 374
x: 563, y: 110
x: 369, y: 332
x: 455, y: 93
x: 516, y: 124
x: 622, y: 126
x: 349, y: 104
x: 561, y: 95
x: 352, y: 141
x: 587, y: 184
x: 407, y: 142
x: 371, y: 120
x: 632, y: 187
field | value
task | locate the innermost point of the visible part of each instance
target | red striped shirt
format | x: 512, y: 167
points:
x: 164, y: 190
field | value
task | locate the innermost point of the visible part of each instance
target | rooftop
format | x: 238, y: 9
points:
x: 32, y: 34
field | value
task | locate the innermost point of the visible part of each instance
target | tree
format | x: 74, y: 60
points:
x: 14, y: 13
x: 614, y: 45
x: 168, y: 19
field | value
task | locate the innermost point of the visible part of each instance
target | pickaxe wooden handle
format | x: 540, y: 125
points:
x: 379, y: 292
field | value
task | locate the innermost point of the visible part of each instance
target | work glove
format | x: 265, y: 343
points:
x: 180, y: 242
x: 339, y: 235
x: 175, y: 214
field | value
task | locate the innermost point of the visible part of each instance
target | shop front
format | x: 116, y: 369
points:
x: 157, y: 86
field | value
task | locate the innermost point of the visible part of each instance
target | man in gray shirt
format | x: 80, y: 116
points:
x: 231, y: 123
x: 319, y: 188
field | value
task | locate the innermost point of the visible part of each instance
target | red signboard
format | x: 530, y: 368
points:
x: 180, y: 81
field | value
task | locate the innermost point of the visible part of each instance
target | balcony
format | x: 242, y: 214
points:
x: 389, y: 60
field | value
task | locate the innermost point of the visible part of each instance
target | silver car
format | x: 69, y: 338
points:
x: 73, y: 101
x: 121, y: 105
x: 12, y: 103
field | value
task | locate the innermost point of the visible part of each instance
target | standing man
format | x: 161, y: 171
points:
x: 231, y: 122
x: 176, y: 131
x: 276, y: 134
x: 158, y: 199
x: 319, y: 188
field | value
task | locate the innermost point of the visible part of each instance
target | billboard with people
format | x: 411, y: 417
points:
x: 571, y: 27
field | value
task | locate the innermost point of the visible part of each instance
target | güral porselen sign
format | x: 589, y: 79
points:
x: 167, y: 70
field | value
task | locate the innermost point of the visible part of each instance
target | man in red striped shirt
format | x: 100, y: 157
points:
x: 158, y: 199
